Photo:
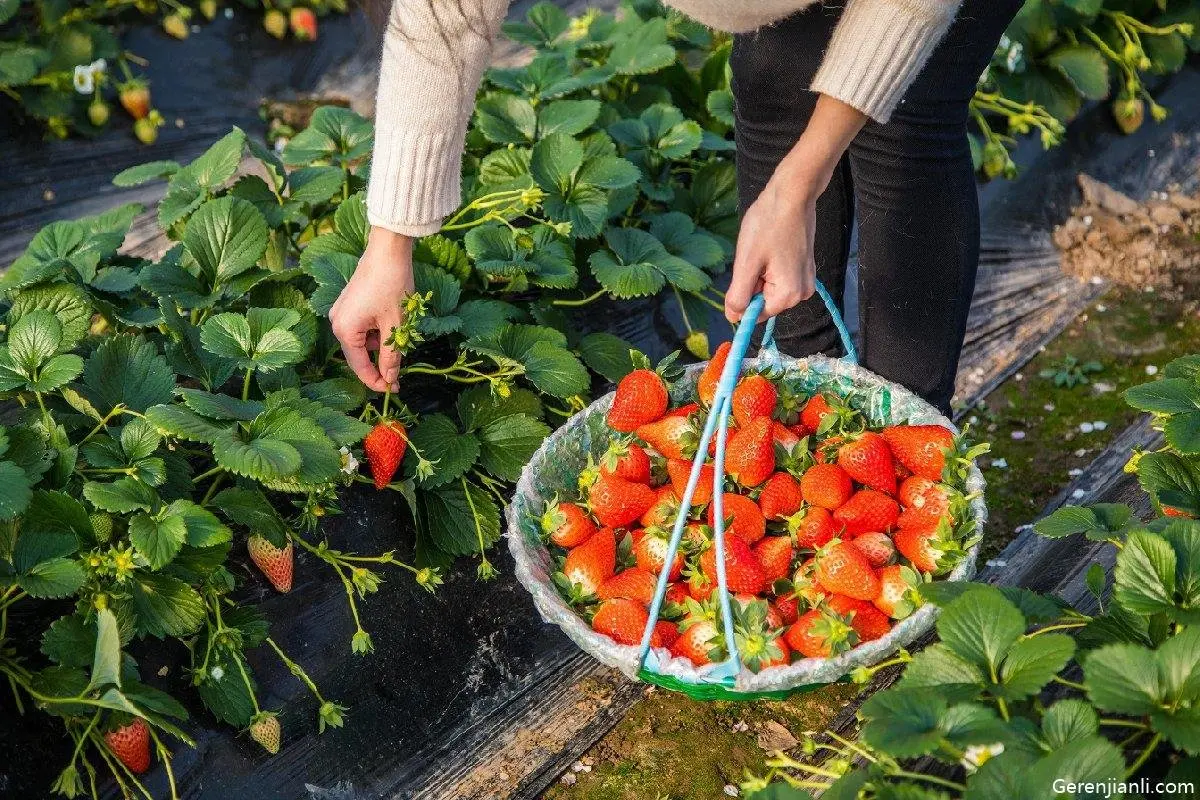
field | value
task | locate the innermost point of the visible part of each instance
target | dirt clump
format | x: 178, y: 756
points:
x: 1111, y: 236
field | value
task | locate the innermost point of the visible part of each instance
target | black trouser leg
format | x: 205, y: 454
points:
x: 910, y: 183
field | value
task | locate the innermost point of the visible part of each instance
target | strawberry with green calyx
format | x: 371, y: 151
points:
x: 826, y: 485
x: 303, y: 22
x: 134, y: 96
x: 685, y: 410
x: 275, y: 23
x: 671, y: 437
x: 622, y: 620
x: 265, y: 729
x: 566, y: 524
x: 804, y: 584
x: 650, y: 551
x: 130, y: 743
x: 788, y: 405
x: 781, y: 496
x: 146, y: 128
x: 631, y: 584
x: 926, y: 501
x: 876, y: 546
x: 930, y: 548
x: 786, y: 602
x: 699, y: 586
x: 743, y: 571
x: 641, y: 396
x: 843, y: 569
x: 175, y: 24
x: 587, y: 566
x: 921, y: 448
x: 868, y: 459
x: 616, y: 502
x: 867, y: 510
x: 706, y: 384
x: 275, y: 563
x: 776, y: 554
x: 666, y: 633
x: 758, y: 645
x: 666, y: 507
x: 754, y: 396
x: 827, y: 414
x: 811, y: 526
x: 743, y: 518
x: 700, y: 640
x: 626, y: 460
x: 680, y: 472
x: 750, y: 453
x: 821, y: 633
x: 898, y: 596
x: 867, y: 621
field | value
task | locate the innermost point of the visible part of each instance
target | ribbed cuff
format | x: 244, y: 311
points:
x: 415, y: 178
x: 877, y: 50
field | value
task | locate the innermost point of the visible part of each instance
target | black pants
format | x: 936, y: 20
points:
x: 910, y: 181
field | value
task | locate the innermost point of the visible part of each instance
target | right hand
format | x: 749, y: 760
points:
x: 372, y: 305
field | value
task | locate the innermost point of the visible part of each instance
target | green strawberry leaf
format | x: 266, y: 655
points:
x: 569, y: 117
x: 478, y: 406
x: 334, y: 134
x: 127, y: 370
x: 121, y: 496
x: 67, y: 302
x: 643, y: 50
x: 106, y: 660
x: 1032, y: 663
x: 637, y: 265
x: 166, y: 606
x: 52, y: 579
x: 225, y: 237
x: 1123, y: 678
x: 332, y: 272
x: 1084, y: 66
x: 250, y: 508
x: 555, y: 370
x: 1144, y: 577
x: 1093, y: 759
x: 15, y: 491
x: 220, y: 406
x: 608, y: 355
x: 263, y: 339
x: 507, y: 443
x: 439, y: 440
x: 70, y: 641
x: 458, y: 516
x: 144, y: 173
x: 1068, y: 721
x: 1100, y: 522
x: 183, y: 423
x: 980, y: 626
x: 903, y: 722
x: 506, y: 119
x: 157, y: 539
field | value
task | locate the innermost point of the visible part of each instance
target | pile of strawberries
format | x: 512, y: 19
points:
x: 829, y: 524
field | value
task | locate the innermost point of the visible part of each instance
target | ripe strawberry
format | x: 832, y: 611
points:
x: 666, y: 507
x: 775, y: 553
x: 275, y: 23
x: 926, y: 501
x: 868, y: 460
x: 265, y: 730
x: 812, y: 526
x: 131, y: 745
x: 680, y: 471
x: 827, y: 414
x: 699, y: 587
x: 675, y: 595
x: 781, y: 496
x: 135, y: 98
x: 750, y: 455
x: 843, y: 569
x: 621, y: 620
x: 820, y: 634
x: 800, y: 429
x: 814, y: 411
x: 385, y: 446
x: 685, y: 410
x: 650, y: 553
x: 868, y: 510
x: 641, y: 398
x: 743, y: 602
x: 706, y: 385
x: 753, y: 397
x: 876, y: 546
x: 730, y: 432
x: 826, y: 485
x: 743, y: 572
x: 590, y: 564
x: 787, y: 607
x: 699, y: 642
x: 665, y: 634
x: 276, y: 563
x: 175, y: 25
x: 784, y: 437
x: 304, y: 24
x: 742, y: 517
x: 567, y: 524
x: 616, y: 502
x: 921, y: 448
x: 626, y: 460
x: 896, y: 596
x: 868, y: 621
x: 672, y: 437
x: 918, y: 545
x: 631, y: 584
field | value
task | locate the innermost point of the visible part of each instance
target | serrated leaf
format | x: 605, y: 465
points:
x: 1093, y: 760
x: 506, y: 119
x: 182, y: 423
x: 980, y: 626
x: 227, y: 697
x: 458, y: 516
x: 67, y: 302
x: 1123, y: 678
x: 507, y: 443
x: 166, y: 606
x: 249, y: 507
x: 106, y: 660
x: 607, y: 354
x: 262, y: 459
x: 1084, y: 67
x: 1031, y: 664
x: 439, y: 440
x: 555, y: 370
x: 70, y: 641
x: 478, y: 407
x: 51, y: 579
x: 1144, y: 576
x: 1069, y: 720
x: 226, y: 237
x: 569, y: 117
x: 555, y: 160
x: 643, y: 50
x: 144, y: 173
x: 158, y: 540
x: 15, y: 492
x: 903, y: 722
x: 334, y: 133
x: 127, y: 370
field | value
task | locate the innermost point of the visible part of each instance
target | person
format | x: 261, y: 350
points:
x: 844, y: 109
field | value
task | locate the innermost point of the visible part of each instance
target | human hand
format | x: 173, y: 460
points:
x: 372, y: 305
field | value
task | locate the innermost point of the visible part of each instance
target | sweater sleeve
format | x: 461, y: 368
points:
x: 878, y: 48
x: 434, y: 54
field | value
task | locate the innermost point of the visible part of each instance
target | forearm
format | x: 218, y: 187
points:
x: 807, y: 168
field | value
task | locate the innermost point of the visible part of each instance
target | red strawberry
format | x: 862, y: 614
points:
x: 675, y: 595
x: 616, y: 502
x: 805, y: 586
x: 626, y: 460
x: 683, y: 411
x: 275, y: 23
x: 800, y: 429
x: 673, y: 437
x: 304, y: 24
x: 787, y: 607
x: 876, y: 546
x: 651, y: 554
x: 868, y: 510
x: 706, y: 385
x: 814, y: 411
x: 826, y: 485
x: 567, y: 524
x: 915, y: 544
x: 743, y: 572
x: 699, y: 587
x: 592, y: 563
x: 772, y: 615
x: 843, y: 569
x: 264, y: 729
x: 750, y: 455
x: 868, y: 460
x: 775, y: 553
x: 742, y: 517
x: 631, y: 584
x: 641, y: 398
x: 680, y: 471
x: 729, y: 434
x: 666, y: 507
x: 868, y: 621
x: 1169, y: 511
x: 812, y: 526
x: 135, y: 98
x: 131, y: 745
x: 781, y: 496
x: 820, y: 634
x: 665, y: 634
x: 698, y: 642
x: 621, y: 620
x: 276, y: 563
x: 921, y: 448
x: 753, y: 397
x: 385, y: 446
x: 896, y: 596
x: 784, y: 437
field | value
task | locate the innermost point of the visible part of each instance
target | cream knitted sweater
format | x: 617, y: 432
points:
x: 435, y: 51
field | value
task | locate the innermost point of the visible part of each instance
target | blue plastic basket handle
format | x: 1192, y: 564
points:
x: 717, y: 423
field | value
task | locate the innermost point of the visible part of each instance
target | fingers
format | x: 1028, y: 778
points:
x: 353, y: 336
x: 781, y: 295
x: 389, y: 358
x: 745, y: 283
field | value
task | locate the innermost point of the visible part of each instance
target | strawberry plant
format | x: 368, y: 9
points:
x: 1023, y: 694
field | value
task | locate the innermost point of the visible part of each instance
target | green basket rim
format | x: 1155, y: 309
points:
x: 720, y: 691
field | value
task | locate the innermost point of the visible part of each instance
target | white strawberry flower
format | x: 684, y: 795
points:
x: 85, y: 80
x: 977, y: 755
x: 349, y: 462
x: 98, y: 67
x: 217, y: 673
